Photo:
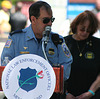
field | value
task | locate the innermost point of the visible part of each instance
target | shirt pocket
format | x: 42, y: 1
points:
x: 22, y: 50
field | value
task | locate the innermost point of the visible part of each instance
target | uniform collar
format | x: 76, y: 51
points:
x: 29, y: 33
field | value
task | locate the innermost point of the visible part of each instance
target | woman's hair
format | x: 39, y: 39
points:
x: 34, y: 9
x: 81, y: 18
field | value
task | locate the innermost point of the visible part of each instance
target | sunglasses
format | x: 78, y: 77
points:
x: 47, y: 20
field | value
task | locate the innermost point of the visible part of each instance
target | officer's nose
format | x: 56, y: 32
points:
x: 49, y: 23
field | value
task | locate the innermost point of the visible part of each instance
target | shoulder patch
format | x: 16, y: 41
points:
x: 66, y: 50
x: 8, y: 43
x: 14, y: 32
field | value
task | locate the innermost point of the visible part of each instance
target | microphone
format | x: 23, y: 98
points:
x: 46, y: 34
x: 45, y: 39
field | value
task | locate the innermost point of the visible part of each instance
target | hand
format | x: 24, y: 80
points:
x: 70, y: 96
x: 86, y: 95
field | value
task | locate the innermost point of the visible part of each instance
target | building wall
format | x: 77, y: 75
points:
x: 82, y: 1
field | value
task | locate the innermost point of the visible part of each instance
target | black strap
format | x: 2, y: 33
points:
x: 56, y: 40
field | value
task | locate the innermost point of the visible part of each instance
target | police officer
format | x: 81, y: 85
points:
x: 30, y: 39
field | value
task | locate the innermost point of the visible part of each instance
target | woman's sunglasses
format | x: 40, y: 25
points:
x: 83, y: 30
x: 47, y: 20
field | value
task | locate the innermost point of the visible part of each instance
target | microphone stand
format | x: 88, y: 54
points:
x: 45, y: 40
x: 43, y: 49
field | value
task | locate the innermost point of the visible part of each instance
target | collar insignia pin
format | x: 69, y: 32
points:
x: 25, y: 48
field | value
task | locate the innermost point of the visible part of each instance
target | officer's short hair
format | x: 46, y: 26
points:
x: 81, y: 18
x: 34, y: 9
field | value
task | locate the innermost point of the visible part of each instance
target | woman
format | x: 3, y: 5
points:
x: 85, y: 50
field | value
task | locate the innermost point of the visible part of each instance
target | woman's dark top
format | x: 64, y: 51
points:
x: 84, y: 68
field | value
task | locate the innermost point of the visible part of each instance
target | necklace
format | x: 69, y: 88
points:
x: 80, y: 51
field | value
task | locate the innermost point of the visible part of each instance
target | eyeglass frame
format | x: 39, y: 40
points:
x: 49, y: 19
x: 84, y: 30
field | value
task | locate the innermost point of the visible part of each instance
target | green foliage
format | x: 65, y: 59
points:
x: 14, y: 1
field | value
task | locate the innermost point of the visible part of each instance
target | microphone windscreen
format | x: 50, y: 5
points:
x: 48, y: 28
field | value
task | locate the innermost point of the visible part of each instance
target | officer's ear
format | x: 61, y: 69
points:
x: 33, y: 19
